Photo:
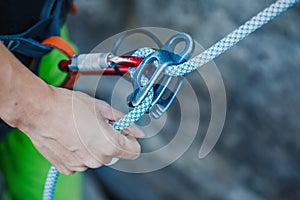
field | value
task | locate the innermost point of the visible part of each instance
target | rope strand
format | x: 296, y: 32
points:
x: 233, y: 38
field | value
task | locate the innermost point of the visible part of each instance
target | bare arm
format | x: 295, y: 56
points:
x: 69, y: 128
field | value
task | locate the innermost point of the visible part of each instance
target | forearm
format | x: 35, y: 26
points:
x: 21, y: 92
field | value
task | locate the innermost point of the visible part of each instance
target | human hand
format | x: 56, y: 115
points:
x: 70, y: 129
x: 74, y: 132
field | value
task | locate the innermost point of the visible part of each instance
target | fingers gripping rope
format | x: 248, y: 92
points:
x: 120, y: 125
x: 220, y: 47
x: 133, y: 116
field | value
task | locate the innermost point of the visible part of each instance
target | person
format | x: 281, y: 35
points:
x: 52, y: 125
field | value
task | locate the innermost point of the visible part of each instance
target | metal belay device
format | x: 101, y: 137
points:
x: 155, y: 65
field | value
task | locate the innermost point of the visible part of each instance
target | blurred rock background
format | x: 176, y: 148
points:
x: 257, y: 156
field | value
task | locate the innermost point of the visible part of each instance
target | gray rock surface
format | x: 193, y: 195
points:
x: 257, y: 156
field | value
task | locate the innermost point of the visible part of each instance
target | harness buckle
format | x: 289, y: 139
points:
x: 153, y: 67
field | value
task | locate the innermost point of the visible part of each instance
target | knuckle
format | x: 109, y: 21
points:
x: 80, y: 169
x: 69, y: 173
x: 72, y: 148
x: 113, y: 151
x: 137, y: 152
x: 81, y: 94
x: 121, y: 141
x: 64, y: 171
x: 105, y: 106
x: 92, y: 163
x: 70, y: 145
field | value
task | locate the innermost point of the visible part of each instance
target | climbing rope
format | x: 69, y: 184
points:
x: 208, y: 55
x: 227, y: 42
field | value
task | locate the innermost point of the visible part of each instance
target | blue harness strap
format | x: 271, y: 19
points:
x: 28, y: 42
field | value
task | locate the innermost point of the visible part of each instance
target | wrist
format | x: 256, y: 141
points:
x: 26, y: 102
x: 23, y: 94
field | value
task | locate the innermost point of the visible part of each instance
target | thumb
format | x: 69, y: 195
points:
x: 112, y: 115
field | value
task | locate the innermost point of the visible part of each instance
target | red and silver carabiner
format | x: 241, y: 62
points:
x: 100, y: 63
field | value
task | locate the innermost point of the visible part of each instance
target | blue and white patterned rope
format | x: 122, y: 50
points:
x: 227, y: 42
x: 138, y: 111
x: 50, y: 185
x: 208, y: 55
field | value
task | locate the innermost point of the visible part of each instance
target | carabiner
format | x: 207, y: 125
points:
x: 100, y: 63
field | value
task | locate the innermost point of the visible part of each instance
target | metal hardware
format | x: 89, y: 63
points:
x: 158, y: 62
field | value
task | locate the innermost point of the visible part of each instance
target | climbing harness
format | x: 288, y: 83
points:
x: 26, y: 43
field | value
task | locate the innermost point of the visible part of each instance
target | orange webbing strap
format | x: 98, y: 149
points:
x: 59, y: 43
